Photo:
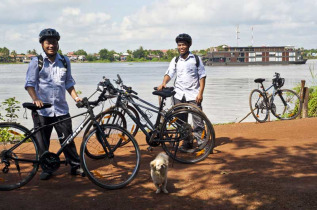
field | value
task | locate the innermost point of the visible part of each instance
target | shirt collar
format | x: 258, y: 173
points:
x: 58, y: 56
x: 190, y: 55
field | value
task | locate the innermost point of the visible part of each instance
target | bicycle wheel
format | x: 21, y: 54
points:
x: 17, y: 167
x: 258, y: 106
x: 182, y: 106
x: 196, y: 108
x: 187, y: 135
x: 286, y: 104
x: 111, y: 172
x: 107, y: 117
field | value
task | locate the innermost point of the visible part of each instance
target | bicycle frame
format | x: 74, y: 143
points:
x: 273, y: 94
x: 70, y: 138
x: 137, y: 106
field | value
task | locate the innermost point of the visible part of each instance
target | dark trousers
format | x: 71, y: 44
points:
x: 63, y: 129
x: 198, y: 124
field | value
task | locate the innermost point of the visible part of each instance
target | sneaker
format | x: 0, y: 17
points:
x: 77, y: 170
x: 45, y: 175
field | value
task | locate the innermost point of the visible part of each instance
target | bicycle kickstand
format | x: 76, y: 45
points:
x: 176, y: 148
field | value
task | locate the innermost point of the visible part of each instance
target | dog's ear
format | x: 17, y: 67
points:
x: 152, y: 164
x: 166, y: 162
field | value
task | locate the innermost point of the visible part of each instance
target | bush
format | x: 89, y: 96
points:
x: 312, y: 99
x: 11, y: 107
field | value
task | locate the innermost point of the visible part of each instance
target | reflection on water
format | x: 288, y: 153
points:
x: 225, y: 99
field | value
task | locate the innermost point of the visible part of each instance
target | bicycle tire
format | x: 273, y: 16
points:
x: 182, y: 106
x: 19, y: 172
x: 118, y: 171
x: 110, y: 115
x: 258, y: 105
x: 291, y: 110
x: 175, y: 129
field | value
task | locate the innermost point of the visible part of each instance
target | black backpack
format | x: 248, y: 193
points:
x: 196, y: 57
x: 40, y: 62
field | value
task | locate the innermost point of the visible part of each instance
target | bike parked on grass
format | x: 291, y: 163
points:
x: 171, y: 128
x: 20, y: 160
x: 283, y: 103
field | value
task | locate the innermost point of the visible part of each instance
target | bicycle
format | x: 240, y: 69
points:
x: 20, y: 160
x: 170, y: 128
x: 283, y: 103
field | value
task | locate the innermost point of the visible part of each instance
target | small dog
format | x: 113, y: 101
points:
x: 159, y: 168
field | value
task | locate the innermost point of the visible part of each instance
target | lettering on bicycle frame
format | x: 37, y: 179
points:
x: 80, y: 127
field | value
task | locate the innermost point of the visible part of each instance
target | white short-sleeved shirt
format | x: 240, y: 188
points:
x: 187, y: 76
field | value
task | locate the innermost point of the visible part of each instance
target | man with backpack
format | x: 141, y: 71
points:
x: 190, y: 79
x: 47, y: 79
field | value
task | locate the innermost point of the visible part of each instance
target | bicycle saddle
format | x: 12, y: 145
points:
x: 165, y: 92
x: 259, y: 80
x: 33, y: 107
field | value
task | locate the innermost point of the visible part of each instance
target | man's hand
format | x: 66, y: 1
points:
x: 38, y: 103
x: 199, y: 98
x: 159, y: 88
x: 77, y: 99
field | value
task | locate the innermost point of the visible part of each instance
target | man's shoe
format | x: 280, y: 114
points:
x: 185, y: 147
x: 45, y: 175
x: 77, y: 171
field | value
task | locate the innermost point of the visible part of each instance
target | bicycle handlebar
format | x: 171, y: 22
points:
x: 276, y: 75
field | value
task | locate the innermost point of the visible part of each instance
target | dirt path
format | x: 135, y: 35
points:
x: 255, y: 166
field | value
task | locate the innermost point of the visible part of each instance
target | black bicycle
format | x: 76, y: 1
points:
x: 181, y: 124
x: 283, y: 103
x: 20, y: 160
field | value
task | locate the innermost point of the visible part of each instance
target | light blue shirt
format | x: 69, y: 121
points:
x: 50, y: 84
x: 187, y: 76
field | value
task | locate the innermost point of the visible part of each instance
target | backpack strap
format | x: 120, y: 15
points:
x: 197, y: 60
x: 64, y: 61
x: 40, y: 62
x: 176, y: 60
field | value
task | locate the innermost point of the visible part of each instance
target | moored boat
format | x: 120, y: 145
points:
x: 282, y: 55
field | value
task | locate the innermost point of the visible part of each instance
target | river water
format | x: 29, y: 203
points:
x: 225, y: 99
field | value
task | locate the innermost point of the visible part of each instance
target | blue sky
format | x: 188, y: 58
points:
x: 119, y: 25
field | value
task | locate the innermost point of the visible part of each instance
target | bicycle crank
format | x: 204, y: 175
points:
x: 49, y: 162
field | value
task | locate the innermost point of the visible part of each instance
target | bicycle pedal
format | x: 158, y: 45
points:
x: 150, y: 149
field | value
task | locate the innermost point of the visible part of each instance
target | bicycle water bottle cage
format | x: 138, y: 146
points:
x: 259, y: 80
x: 33, y: 107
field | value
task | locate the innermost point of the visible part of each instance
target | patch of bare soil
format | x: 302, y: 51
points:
x: 254, y: 166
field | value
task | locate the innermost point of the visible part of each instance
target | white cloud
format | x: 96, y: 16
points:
x: 94, y: 25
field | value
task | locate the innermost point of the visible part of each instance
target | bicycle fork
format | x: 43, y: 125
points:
x: 102, y: 139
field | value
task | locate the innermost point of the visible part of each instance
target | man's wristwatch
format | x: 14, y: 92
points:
x: 76, y: 98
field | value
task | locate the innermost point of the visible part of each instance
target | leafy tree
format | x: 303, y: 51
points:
x: 104, y: 54
x: 32, y: 52
x: 60, y: 52
x: 5, y: 52
x: 90, y: 57
x: 111, y: 55
x: 80, y: 52
x: 171, y: 54
x: 139, y: 53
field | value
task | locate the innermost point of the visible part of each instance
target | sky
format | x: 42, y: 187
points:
x: 122, y: 25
